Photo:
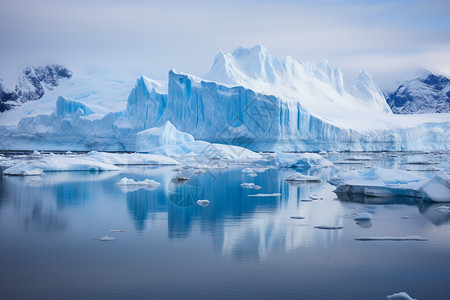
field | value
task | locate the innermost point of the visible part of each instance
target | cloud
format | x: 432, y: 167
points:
x: 153, y: 36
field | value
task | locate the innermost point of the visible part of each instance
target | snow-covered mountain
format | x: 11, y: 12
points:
x: 428, y: 93
x: 249, y: 99
x: 319, y: 88
x: 33, y: 83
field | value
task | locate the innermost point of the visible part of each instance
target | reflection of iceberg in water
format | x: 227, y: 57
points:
x: 432, y: 211
x: 268, y: 231
x: 37, y: 208
x: 142, y: 203
x: 437, y: 213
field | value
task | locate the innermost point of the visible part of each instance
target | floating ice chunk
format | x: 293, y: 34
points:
x: 266, y: 195
x: 298, y: 218
x: 437, y: 189
x: 203, y: 203
x: 107, y: 239
x: 36, y: 154
x: 180, y: 178
x: 6, y: 163
x: 150, y: 183
x: 420, y: 162
x: 385, y: 182
x: 57, y: 163
x: 298, y: 177
x: 443, y: 209
x: 392, y: 238
x: 363, y: 217
x: 247, y: 185
x: 328, y: 227
x: 302, y: 160
x: 399, y: 296
x: 314, y: 197
x: 348, y: 162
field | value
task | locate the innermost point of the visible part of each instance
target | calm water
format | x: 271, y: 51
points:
x: 238, y: 247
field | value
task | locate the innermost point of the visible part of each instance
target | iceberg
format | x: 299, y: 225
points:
x: 57, y: 163
x: 379, y: 182
x: 248, y: 99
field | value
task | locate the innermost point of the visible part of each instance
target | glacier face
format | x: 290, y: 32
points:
x: 253, y: 102
x: 429, y: 93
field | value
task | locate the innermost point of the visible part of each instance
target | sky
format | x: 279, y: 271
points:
x: 393, y: 39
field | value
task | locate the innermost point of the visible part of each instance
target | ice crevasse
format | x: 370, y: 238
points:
x: 249, y: 99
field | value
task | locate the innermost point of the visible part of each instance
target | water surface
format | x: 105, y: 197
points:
x: 238, y: 247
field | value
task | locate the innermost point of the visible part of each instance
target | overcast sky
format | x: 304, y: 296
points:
x: 393, y: 39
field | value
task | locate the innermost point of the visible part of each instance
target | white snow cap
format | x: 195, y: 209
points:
x: 312, y: 85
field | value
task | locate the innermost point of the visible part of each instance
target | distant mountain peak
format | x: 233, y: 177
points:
x: 427, y: 93
x: 32, y: 84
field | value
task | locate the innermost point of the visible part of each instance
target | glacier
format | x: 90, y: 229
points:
x: 248, y: 99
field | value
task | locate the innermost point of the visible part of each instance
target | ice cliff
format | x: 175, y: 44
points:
x: 249, y: 99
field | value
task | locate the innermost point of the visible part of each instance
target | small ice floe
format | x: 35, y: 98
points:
x: 149, y: 183
x: 57, y: 163
x: 400, y: 296
x: 247, y: 185
x: 200, y: 171
x: 314, y: 197
x: 392, y: 238
x: 444, y: 209
x: 203, y: 203
x: 107, y: 239
x: 419, y: 162
x: 298, y: 218
x: 116, y: 230
x: 300, y: 178
x: 180, y: 178
x: 363, y: 217
x: 348, y: 162
x: 36, y: 154
x: 266, y: 195
x: 328, y: 227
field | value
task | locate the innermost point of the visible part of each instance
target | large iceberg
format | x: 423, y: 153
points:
x: 248, y: 99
